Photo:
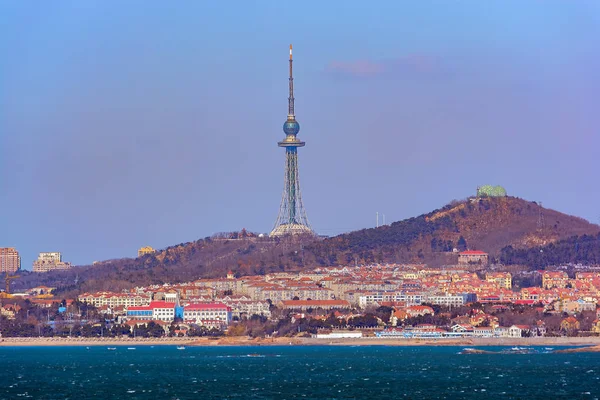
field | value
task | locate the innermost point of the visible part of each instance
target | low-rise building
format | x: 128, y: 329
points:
x: 155, y: 311
x: 207, y: 314
x: 473, y: 257
x: 339, y: 335
x: 503, y: 279
x: 415, y: 311
x: 518, y: 330
x: 114, y: 299
x: 554, y: 279
x: 314, y: 304
x: 450, y: 299
x: 366, y: 298
x: 569, y: 324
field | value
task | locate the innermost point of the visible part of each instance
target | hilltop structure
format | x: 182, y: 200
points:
x: 491, y: 191
x: 292, y: 218
x: 50, y: 261
x: 142, y: 251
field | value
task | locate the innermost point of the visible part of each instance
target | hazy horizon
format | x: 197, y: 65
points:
x: 132, y: 124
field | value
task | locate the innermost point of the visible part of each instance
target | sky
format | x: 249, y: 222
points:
x: 124, y: 124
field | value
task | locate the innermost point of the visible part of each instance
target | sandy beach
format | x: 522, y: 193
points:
x: 245, y: 341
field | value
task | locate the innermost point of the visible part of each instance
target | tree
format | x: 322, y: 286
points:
x: 155, y: 330
x: 120, y: 330
x: 236, y: 330
x: 461, y: 245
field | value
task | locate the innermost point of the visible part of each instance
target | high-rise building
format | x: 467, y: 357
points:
x: 292, y: 218
x: 50, y: 257
x: 10, y: 260
x: 50, y: 261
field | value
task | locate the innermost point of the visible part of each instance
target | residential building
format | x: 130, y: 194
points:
x: 50, y: 256
x: 207, y: 314
x: 473, y: 257
x: 139, y: 313
x: 314, y: 304
x: 10, y: 260
x: 451, y: 300
x: 50, y: 261
x: 596, y: 326
x: 368, y: 298
x: 518, y: 330
x: 244, y: 306
x: 503, y: 279
x: 163, y: 311
x: 415, y: 311
x: 484, y: 331
x: 577, y: 306
x: 569, y: 324
x: 40, y: 290
x: 554, y: 279
x: 114, y: 299
x: 155, y: 311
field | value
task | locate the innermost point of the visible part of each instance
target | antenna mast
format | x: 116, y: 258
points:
x: 541, y: 223
x: 291, y: 97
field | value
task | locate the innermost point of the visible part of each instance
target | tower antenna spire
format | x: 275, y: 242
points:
x: 291, y: 96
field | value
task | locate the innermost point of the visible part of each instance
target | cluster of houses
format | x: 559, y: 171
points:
x: 476, y: 324
x: 216, y: 302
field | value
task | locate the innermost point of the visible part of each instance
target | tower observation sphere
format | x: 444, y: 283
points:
x: 291, y: 127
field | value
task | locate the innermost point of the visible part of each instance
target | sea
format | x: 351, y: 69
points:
x: 296, y: 372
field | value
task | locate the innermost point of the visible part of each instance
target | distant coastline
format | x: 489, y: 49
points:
x: 592, y: 342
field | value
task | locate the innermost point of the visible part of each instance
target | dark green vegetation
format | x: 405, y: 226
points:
x: 488, y: 224
x: 583, y: 249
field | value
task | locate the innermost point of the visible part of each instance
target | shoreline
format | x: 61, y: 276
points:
x: 244, y: 341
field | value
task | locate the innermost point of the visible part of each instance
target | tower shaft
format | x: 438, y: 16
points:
x: 291, y: 219
x: 291, y: 161
x: 291, y: 211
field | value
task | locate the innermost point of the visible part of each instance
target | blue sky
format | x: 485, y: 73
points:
x: 125, y: 124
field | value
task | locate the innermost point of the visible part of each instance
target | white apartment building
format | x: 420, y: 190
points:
x: 207, y: 314
x: 114, y: 299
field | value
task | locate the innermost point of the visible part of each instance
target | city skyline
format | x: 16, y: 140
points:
x: 117, y: 126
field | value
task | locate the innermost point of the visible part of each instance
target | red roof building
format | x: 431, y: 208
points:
x: 473, y: 257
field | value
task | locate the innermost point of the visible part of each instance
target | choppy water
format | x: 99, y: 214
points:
x: 163, y: 372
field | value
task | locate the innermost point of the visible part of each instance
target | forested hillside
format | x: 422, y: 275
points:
x: 505, y: 227
x: 576, y: 250
x: 487, y: 224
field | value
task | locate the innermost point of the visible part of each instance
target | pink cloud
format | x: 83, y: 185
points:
x: 411, y: 64
x: 356, y: 68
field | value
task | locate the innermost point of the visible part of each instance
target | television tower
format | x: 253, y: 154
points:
x: 292, y: 216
